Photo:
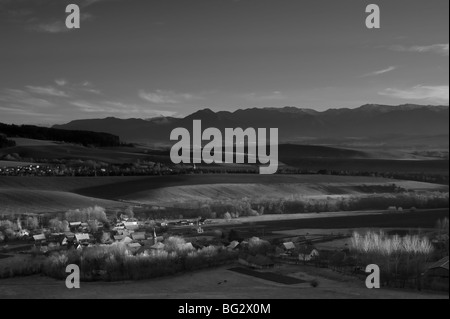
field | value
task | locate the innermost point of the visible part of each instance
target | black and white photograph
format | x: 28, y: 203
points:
x: 220, y: 156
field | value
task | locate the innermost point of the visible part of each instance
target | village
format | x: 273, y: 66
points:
x: 250, y: 248
x: 26, y: 235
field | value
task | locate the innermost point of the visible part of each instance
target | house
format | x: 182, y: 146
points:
x: 289, y: 246
x: 308, y: 253
x: 69, y: 235
x: 119, y: 237
x: 119, y: 226
x: 138, y: 236
x: 39, y: 239
x: 142, y: 250
x: 131, y: 225
x: 127, y: 240
x: 125, y: 232
x: 158, y: 246
x: 75, y: 224
x: 82, y: 238
x: 233, y: 245
x: 134, y: 247
x: 23, y: 233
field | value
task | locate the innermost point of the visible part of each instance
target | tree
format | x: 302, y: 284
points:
x: 106, y: 238
x: 65, y: 226
x: 174, y: 243
x: 227, y: 216
x: 93, y: 225
x: 10, y: 233
x: 129, y: 212
x: 6, y: 224
x: 56, y: 225
x: 32, y: 223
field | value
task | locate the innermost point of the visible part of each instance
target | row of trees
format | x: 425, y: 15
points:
x: 44, y: 133
x: 399, y: 258
x: 229, y: 209
x: 116, y: 263
x: 85, y: 215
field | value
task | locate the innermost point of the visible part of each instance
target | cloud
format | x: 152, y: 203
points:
x: 88, y: 107
x: 271, y: 96
x: 23, y: 106
x: 49, y: 90
x: 167, y: 97
x: 31, y: 98
x: 433, y: 94
x: 23, y: 98
x: 42, y: 103
x: 115, y: 108
x: 17, y: 110
x: 379, y: 72
x: 61, y: 82
x: 57, y: 26
x: 51, y: 27
x: 441, y: 49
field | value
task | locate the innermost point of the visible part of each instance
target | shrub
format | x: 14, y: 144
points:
x: 314, y: 283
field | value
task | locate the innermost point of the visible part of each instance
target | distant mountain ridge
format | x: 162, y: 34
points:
x: 294, y: 124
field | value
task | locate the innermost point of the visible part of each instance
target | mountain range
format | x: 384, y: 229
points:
x: 409, y: 124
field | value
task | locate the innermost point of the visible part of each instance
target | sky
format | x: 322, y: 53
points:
x: 148, y: 58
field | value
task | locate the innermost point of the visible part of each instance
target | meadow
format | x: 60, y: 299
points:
x: 53, y: 194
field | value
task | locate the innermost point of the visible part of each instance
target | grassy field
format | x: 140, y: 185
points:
x: 308, y: 157
x: 75, y: 152
x: 412, y: 220
x: 39, y: 194
x: 211, y: 284
x: 259, y: 191
x: 35, y: 201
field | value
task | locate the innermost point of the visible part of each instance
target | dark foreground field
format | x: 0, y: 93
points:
x: 219, y: 283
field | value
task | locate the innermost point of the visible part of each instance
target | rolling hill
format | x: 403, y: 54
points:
x: 53, y: 194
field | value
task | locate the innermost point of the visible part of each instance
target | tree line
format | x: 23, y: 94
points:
x: 85, y: 138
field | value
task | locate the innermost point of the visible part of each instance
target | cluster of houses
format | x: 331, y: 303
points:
x: 126, y: 231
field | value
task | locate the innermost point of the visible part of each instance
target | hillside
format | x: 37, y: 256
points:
x: 83, y: 137
x: 366, y: 123
x: 51, y: 194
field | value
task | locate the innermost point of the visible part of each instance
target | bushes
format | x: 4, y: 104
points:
x: 115, y: 262
x: 21, y: 266
x: 399, y: 258
x: 257, y: 246
x: 314, y: 283
x: 84, y: 215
